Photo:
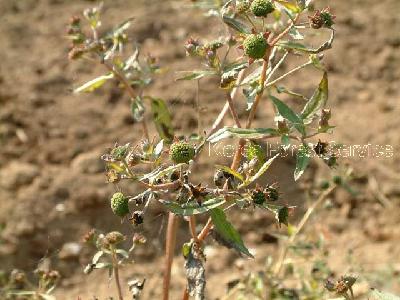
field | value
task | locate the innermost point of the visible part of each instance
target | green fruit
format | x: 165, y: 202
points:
x: 119, y: 204
x: 258, y: 197
x: 255, y: 46
x: 261, y: 8
x: 181, y: 152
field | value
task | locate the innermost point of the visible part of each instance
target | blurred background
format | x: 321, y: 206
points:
x: 52, y: 183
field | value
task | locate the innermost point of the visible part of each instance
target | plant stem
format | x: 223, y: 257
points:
x: 299, y: 227
x: 121, y: 77
x: 192, y: 227
x: 233, y: 110
x: 220, y: 118
x: 116, y: 275
x: 169, y: 252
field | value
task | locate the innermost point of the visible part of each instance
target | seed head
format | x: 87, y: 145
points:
x: 258, y: 197
x: 322, y: 18
x: 137, y: 217
x: 261, y: 8
x: 255, y: 46
x: 242, y: 6
x: 114, y: 238
x: 119, y: 204
x: 181, y: 152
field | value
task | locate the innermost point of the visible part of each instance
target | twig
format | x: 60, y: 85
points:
x: 220, y: 118
x: 130, y: 91
x: 299, y: 227
x: 116, y: 275
x: 192, y: 227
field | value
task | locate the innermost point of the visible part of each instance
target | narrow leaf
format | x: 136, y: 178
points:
x: 286, y: 112
x: 193, y: 208
x: 317, y: 101
x: 252, y: 133
x: 137, y: 109
x: 302, y: 48
x: 228, y: 232
x: 230, y: 171
x: 192, y: 75
x: 162, y: 119
x: 302, y: 161
x: 93, y: 84
x: 260, y: 172
x: 235, y: 24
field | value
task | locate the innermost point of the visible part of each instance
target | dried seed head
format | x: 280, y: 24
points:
x: 138, y: 239
x: 114, y: 238
x: 261, y: 8
x: 258, y: 197
x: 242, y: 6
x: 322, y: 18
x: 89, y: 237
x: 137, y: 217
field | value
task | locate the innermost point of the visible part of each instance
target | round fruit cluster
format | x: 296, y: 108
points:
x: 181, y: 152
x: 255, y: 46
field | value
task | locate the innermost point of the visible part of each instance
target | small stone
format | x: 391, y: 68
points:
x: 17, y: 174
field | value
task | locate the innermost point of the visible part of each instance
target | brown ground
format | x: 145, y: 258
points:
x: 51, y: 140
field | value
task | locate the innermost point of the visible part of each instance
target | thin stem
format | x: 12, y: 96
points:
x: 259, y: 95
x: 268, y: 84
x: 233, y: 110
x: 116, y: 275
x: 299, y: 227
x: 192, y: 227
x: 169, y: 252
x: 284, y: 32
x: 220, y: 118
x: 121, y: 77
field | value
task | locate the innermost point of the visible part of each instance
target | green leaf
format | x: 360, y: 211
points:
x: 162, y: 119
x: 302, y: 161
x: 302, y: 48
x: 285, y: 142
x: 137, y: 109
x: 192, y: 75
x: 193, y: 208
x: 295, y: 34
x: 93, y: 84
x: 235, y: 24
x: 286, y: 112
x: 378, y: 295
x: 260, y: 172
x: 317, y: 101
x: 250, y: 95
x: 227, y: 232
x: 282, y: 89
x: 251, y: 133
x: 281, y: 212
x: 230, y: 171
